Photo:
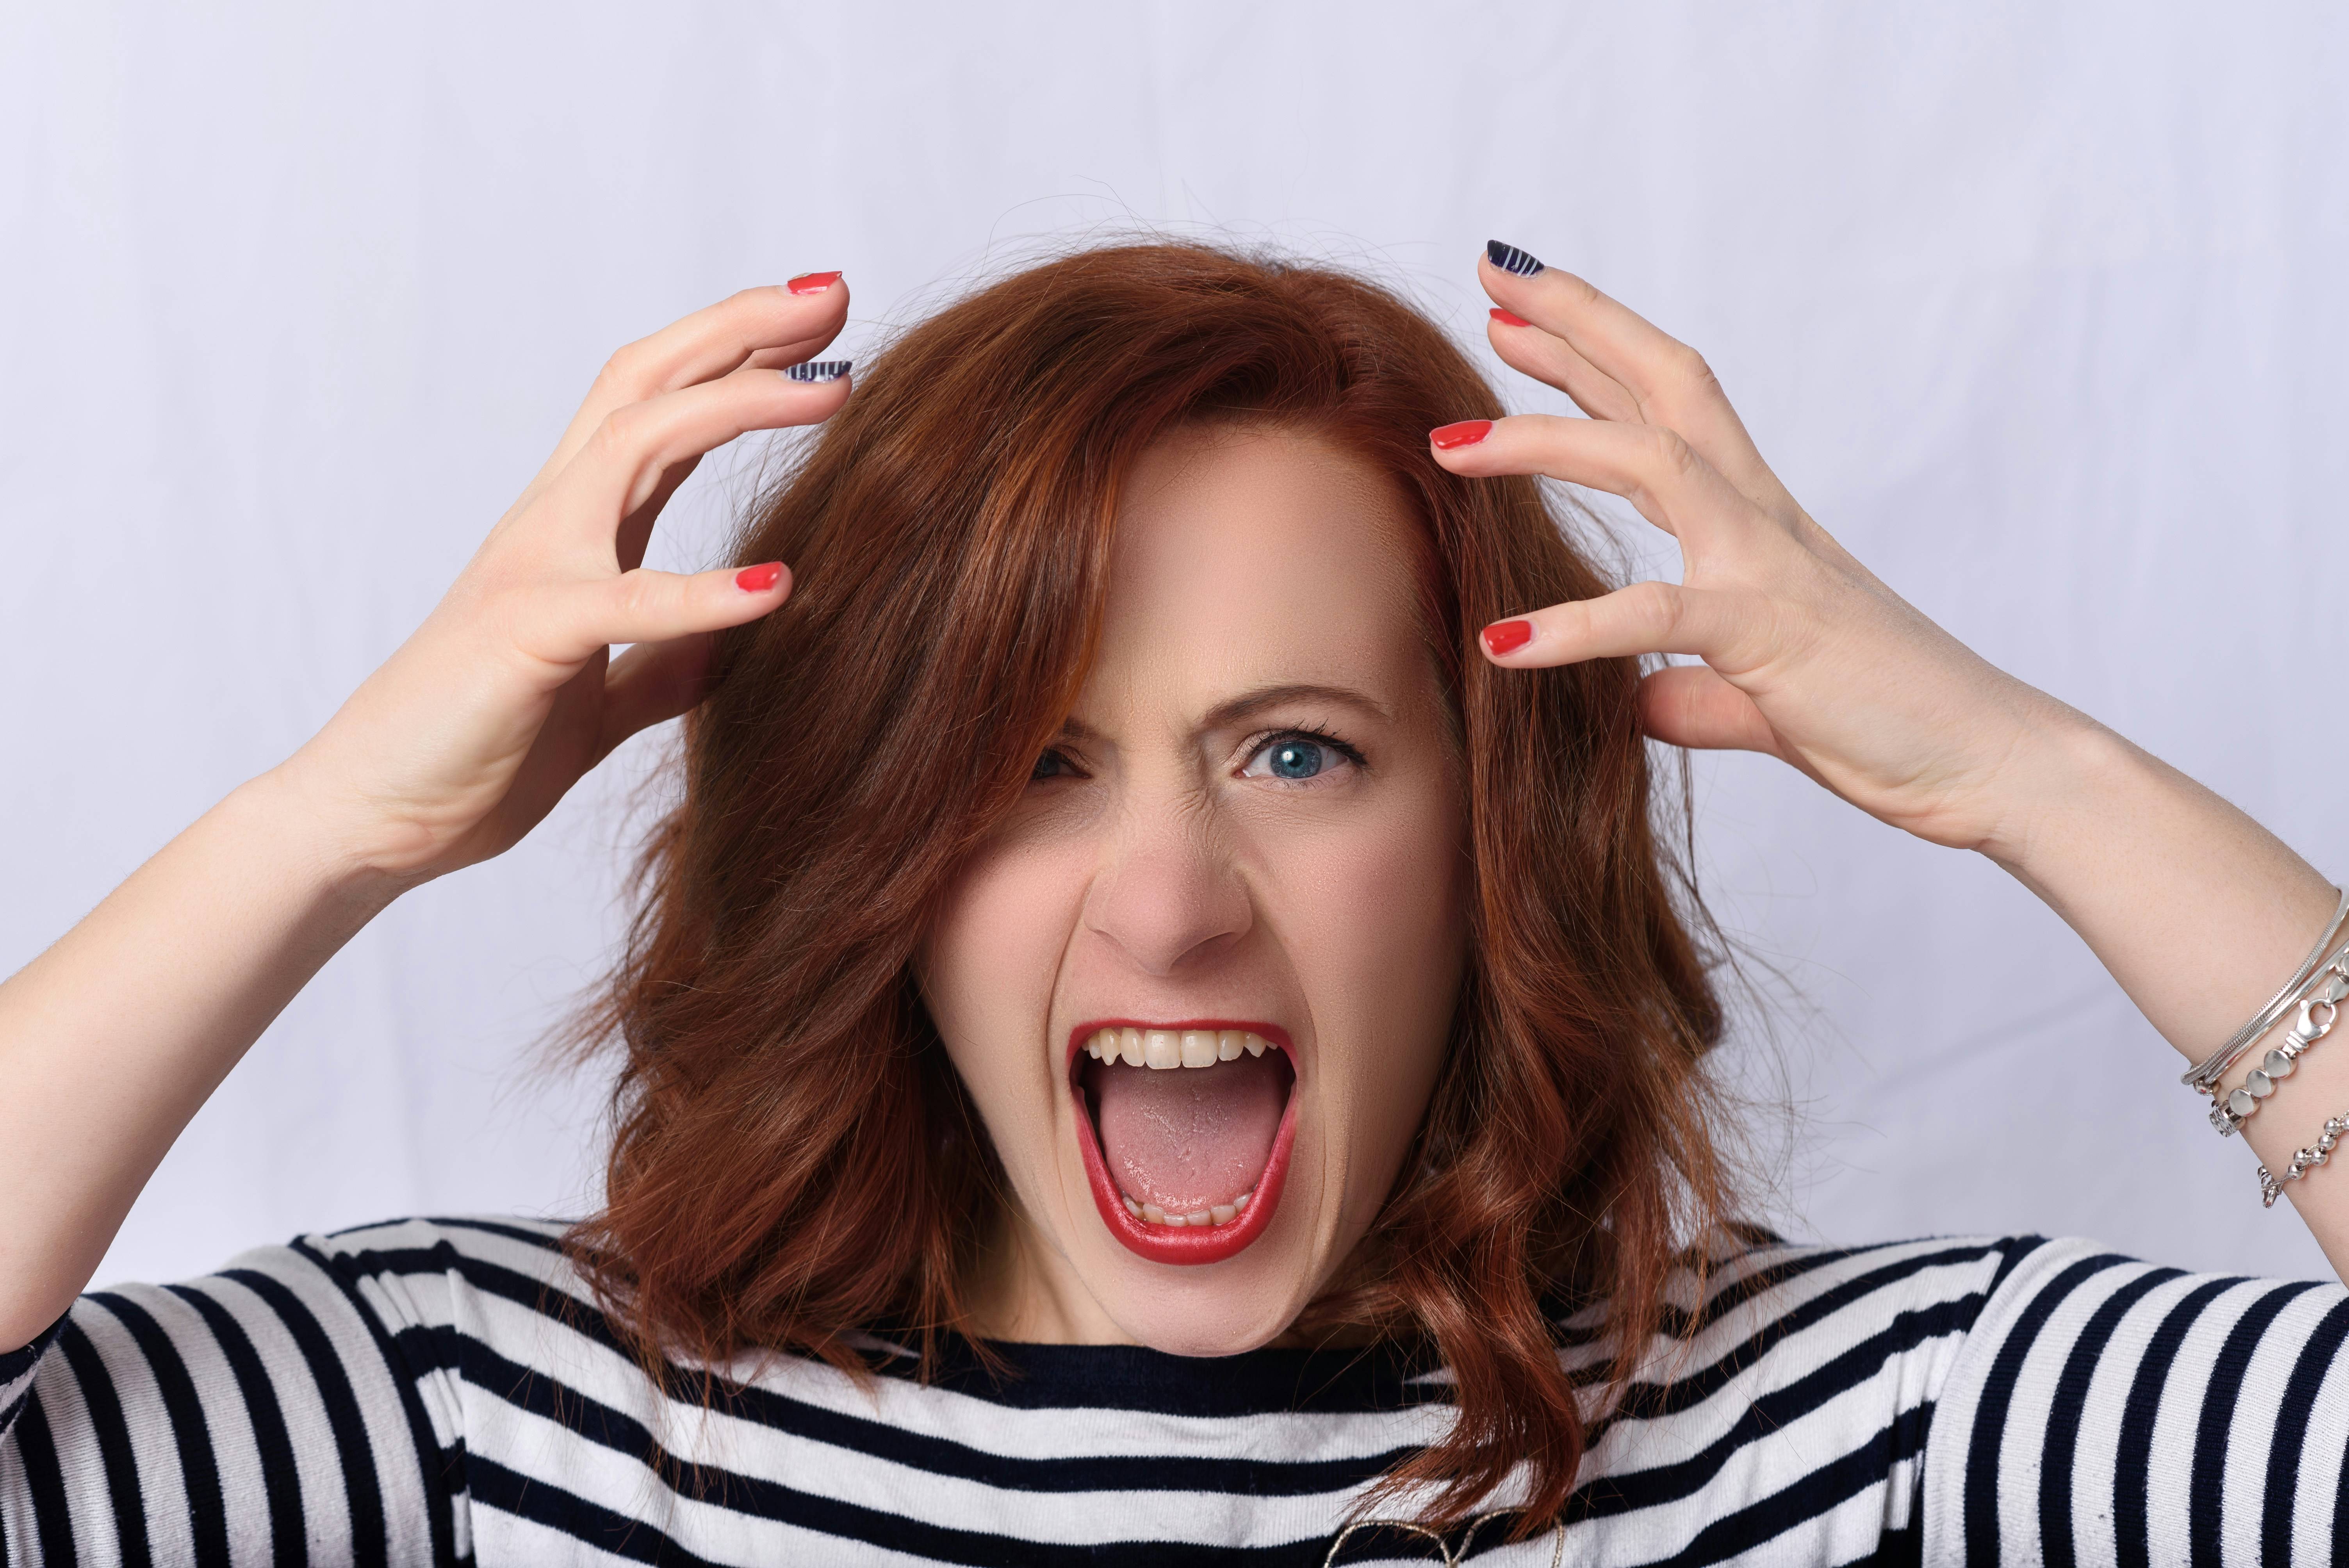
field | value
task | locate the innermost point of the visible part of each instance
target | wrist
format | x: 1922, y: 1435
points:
x: 2065, y: 771
x: 331, y: 855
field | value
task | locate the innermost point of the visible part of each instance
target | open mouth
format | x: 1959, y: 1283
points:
x: 1185, y: 1130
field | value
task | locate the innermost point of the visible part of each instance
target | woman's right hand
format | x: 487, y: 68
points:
x: 473, y: 730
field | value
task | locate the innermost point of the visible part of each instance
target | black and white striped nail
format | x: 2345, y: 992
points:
x: 820, y: 369
x: 1510, y: 259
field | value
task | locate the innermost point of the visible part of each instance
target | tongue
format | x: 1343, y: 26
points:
x: 1188, y: 1139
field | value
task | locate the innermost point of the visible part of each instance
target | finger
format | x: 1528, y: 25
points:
x: 652, y: 683
x: 637, y: 527
x: 1653, y: 467
x: 1527, y: 350
x: 564, y: 626
x: 620, y: 469
x: 1730, y: 630
x: 778, y: 325
x: 1691, y: 706
x: 1668, y: 381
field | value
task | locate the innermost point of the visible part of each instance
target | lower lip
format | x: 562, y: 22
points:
x: 1187, y: 1244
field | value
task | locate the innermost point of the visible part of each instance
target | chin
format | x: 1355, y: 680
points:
x: 1197, y: 1235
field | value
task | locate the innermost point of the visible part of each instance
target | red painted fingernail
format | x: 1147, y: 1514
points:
x: 759, y: 579
x: 1508, y: 636
x: 1466, y: 433
x: 1509, y: 318
x: 812, y: 283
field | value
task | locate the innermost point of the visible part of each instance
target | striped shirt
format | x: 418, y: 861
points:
x: 443, y: 1391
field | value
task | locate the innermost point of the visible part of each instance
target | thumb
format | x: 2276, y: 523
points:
x: 1691, y: 706
x: 651, y: 683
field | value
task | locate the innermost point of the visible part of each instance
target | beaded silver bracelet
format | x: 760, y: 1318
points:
x: 2322, y: 997
x: 2307, y: 1159
x: 2204, y: 1076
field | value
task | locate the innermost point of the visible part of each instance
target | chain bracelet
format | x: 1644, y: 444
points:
x: 2228, y: 1112
x: 2306, y: 1160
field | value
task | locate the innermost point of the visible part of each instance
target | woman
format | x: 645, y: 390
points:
x: 1159, y: 1028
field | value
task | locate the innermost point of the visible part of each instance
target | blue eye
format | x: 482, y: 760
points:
x: 1052, y: 765
x: 1294, y: 759
x: 1298, y: 755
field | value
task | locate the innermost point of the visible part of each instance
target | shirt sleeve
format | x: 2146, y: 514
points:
x: 267, y: 1413
x: 2108, y: 1410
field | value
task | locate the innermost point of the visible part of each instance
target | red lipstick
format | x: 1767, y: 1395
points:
x: 1163, y: 1243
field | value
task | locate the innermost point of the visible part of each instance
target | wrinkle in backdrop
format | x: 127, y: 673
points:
x: 2039, y: 311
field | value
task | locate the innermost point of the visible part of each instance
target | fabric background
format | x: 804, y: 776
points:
x: 2038, y: 308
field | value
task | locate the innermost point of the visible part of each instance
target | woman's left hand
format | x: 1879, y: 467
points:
x: 1808, y: 657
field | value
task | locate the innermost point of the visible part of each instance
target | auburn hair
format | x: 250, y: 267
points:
x: 794, y: 1159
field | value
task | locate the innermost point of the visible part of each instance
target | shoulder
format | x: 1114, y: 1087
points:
x: 1746, y: 1292
x: 426, y: 1271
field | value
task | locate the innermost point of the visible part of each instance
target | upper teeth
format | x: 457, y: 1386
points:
x: 1173, y: 1048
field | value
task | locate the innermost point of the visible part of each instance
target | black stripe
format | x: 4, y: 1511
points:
x: 1644, y: 1400
x: 2016, y: 1249
x: 1989, y: 1432
x: 370, y: 1545
x: 1816, y: 1494
x: 113, y: 1435
x: 2341, y: 1513
x: 281, y: 1480
x: 14, y: 1364
x: 2219, y: 1397
x: 2294, y: 1412
x: 484, y: 1367
x: 8, y: 1412
x: 1044, y: 1376
x: 551, y: 1399
x: 1767, y: 1415
x: 495, y: 1486
x: 52, y: 1511
x: 190, y: 1434
x: 513, y: 1233
x: 2134, y: 1449
x: 2058, y: 1454
x: 441, y: 1485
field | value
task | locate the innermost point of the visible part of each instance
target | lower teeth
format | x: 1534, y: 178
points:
x: 1220, y: 1214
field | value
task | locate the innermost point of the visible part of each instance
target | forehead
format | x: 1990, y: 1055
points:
x: 1247, y: 556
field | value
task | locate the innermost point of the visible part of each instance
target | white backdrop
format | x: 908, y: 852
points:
x: 2039, y: 308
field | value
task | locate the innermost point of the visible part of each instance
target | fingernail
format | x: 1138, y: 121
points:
x: 759, y: 579
x: 1508, y: 636
x: 811, y: 282
x: 1510, y: 259
x: 1509, y: 318
x: 819, y: 370
x: 1466, y: 433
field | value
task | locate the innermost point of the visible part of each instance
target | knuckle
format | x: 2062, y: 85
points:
x: 623, y: 433
x: 1654, y: 607
x: 642, y: 596
x: 1687, y: 367
x: 624, y: 371
x: 1670, y: 455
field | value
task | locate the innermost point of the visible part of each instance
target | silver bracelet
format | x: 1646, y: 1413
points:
x: 2307, y: 1159
x: 2203, y: 1078
x: 2322, y: 996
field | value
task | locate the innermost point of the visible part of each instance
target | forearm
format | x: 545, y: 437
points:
x: 113, y: 1039
x: 2199, y: 913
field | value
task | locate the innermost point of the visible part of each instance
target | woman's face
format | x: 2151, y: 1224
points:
x: 1200, y: 982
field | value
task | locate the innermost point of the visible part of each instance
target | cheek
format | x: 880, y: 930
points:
x: 987, y: 972
x: 1376, y: 926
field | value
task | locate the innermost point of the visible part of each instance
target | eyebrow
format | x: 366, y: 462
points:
x: 1247, y: 704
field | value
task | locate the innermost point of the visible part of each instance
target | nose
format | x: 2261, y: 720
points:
x: 1167, y: 896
